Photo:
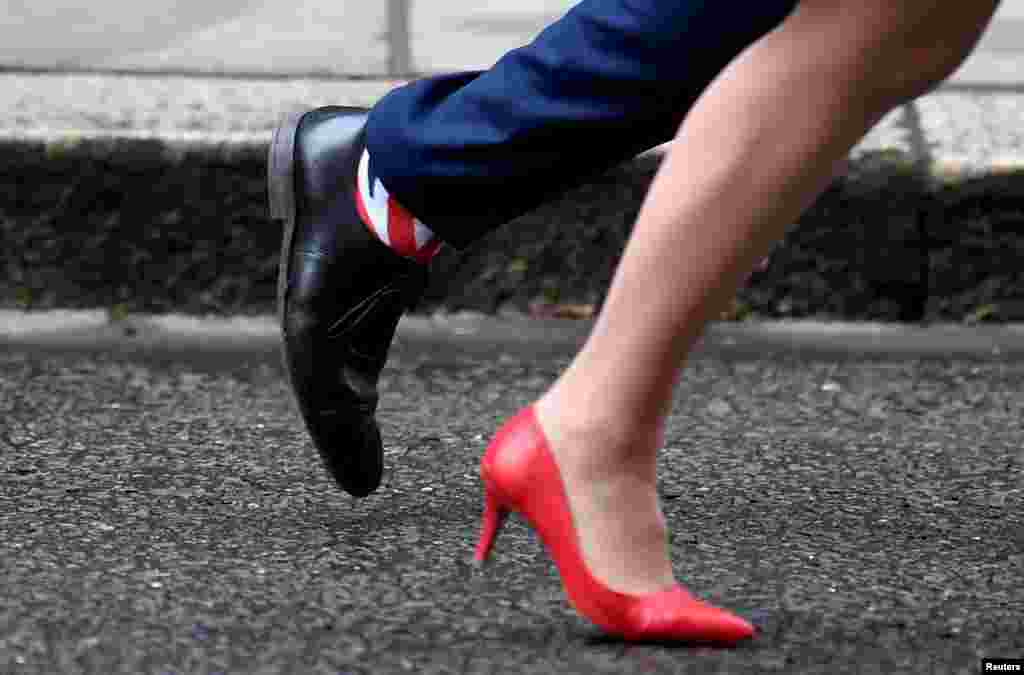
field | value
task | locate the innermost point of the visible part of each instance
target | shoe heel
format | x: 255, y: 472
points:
x: 494, y: 519
x: 281, y: 198
x: 280, y: 169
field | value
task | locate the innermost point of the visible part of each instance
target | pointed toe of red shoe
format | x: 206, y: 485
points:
x: 674, y: 615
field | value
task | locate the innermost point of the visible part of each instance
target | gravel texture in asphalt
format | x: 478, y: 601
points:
x: 163, y: 518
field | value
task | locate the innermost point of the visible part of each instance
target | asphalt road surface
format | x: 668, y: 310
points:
x: 165, y: 518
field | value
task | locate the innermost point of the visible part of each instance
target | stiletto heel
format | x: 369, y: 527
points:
x: 520, y: 474
x: 494, y: 519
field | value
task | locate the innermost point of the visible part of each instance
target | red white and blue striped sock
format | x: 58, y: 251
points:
x: 390, y: 221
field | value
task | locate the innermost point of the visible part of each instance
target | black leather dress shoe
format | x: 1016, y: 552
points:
x: 341, y: 291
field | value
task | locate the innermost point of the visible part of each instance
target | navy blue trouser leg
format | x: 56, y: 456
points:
x: 612, y: 78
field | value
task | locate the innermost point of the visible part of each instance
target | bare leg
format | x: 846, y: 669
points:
x: 754, y: 152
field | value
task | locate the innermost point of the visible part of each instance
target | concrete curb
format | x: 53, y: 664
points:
x: 216, y: 147
x: 188, y: 337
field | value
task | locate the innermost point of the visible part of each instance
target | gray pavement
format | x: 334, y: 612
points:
x: 161, y: 516
x: 310, y: 50
x: 344, y: 37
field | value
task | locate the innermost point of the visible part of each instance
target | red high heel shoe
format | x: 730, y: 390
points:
x: 519, y: 474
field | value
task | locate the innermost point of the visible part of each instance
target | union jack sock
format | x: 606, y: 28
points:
x: 392, y: 224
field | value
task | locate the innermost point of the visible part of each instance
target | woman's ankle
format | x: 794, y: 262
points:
x: 598, y: 441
